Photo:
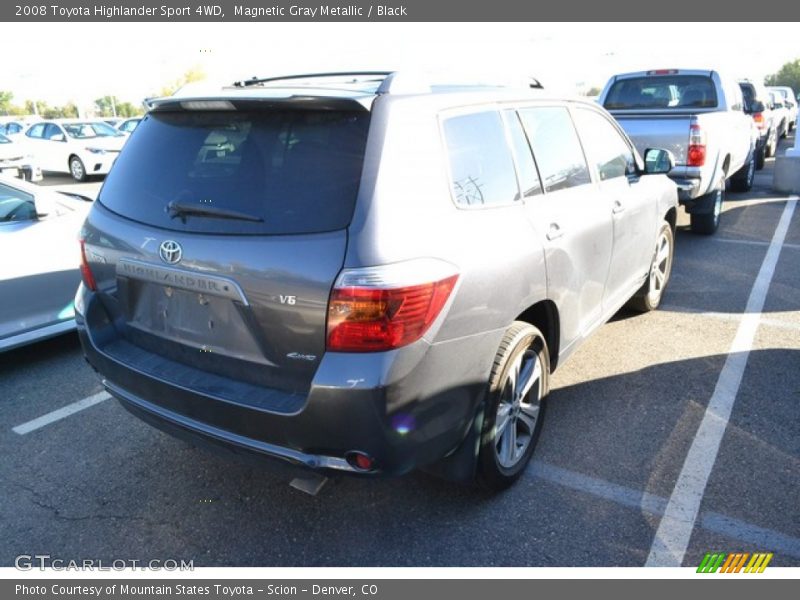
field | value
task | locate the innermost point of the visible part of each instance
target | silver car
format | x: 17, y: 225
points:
x: 39, y: 270
x: 365, y: 273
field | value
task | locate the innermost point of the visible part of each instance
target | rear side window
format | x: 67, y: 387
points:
x: 662, y: 92
x: 606, y: 148
x: 287, y: 172
x: 481, y: 167
x: 556, y: 147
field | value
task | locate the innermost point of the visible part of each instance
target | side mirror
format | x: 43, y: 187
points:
x: 657, y: 160
x: 57, y: 137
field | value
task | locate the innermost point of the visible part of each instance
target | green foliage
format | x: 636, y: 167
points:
x: 192, y: 75
x: 109, y: 106
x: 789, y: 74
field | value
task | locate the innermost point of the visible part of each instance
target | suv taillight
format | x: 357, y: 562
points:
x: 759, y: 120
x: 696, y: 154
x: 381, y: 308
x: 86, y: 272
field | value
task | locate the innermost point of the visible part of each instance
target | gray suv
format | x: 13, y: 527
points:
x: 364, y: 273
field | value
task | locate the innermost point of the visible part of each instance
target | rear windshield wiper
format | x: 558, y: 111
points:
x: 182, y: 209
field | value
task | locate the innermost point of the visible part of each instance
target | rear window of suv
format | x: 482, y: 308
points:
x: 286, y: 172
x: 662, y: 92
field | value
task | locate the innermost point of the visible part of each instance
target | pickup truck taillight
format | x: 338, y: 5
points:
x: 696, y: 154
x: 380, y: 308
x: 86, y: 272
x: 759, y: 120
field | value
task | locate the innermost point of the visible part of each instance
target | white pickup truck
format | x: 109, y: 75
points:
x: 699, y: 117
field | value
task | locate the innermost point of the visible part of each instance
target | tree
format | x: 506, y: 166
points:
x: 107, y: 106
x: 126, y: 109
x: 5, y: 101
x: 196, y: 73
x: 789, y: 74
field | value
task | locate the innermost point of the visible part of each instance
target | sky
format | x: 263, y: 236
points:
x: 79, y: 62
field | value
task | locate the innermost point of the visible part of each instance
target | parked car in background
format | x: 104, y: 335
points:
x: 12, y: 128
x: 758, y: 104
x: 16, y: 161
x: 365, y: 273
x: 79, y: 147
x: 39, y: 271
x: 790, y: 103
x: 128, y: 125
x: 699, y: 116
x: 113, y: 121
x: 781, y: 112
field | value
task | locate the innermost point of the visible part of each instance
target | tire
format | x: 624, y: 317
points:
x: 707, y: 224
x: 505, y: 452
x: 784, y: 130
x: 742, y: 180
x: 649, y: 295
x: 76, y: 169
x: 761, y: 157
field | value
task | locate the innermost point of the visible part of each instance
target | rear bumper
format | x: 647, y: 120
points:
x: 406, y: 408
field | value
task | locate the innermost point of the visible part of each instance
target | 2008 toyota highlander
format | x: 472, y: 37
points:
x: 365, y: 273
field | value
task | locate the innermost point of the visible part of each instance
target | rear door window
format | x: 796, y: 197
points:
x: 556, y: 147
x: 481, y: 168
x: 286, y: 171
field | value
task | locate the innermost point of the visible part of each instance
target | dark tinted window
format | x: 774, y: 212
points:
x: 297, y: 171
x: 662, y: 91
x: 16, y: 205
x: 604, y: 145
x: 749, y: 95
x: 526, y: 168
x: 481, y: 166
x: 556, y: 147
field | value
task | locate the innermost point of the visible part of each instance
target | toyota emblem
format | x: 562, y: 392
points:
x: 170, y: 252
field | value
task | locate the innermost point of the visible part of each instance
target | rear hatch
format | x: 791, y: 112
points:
x: 218, y: 235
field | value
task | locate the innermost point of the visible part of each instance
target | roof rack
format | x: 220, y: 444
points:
x: 394, y: 82
x: 352, y: 76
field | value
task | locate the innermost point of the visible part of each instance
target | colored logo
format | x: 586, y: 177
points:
x: 745, y: 562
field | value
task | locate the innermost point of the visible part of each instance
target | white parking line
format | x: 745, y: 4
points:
x: 765, y: 321
x: 674, y: 531
x: 752, y: 243
x: 652, y: 504
x: 61, y: 413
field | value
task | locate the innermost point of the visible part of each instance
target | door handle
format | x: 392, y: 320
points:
x: 554, y: 232
x: 618, y: 207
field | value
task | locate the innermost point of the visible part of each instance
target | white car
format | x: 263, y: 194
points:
x: 12, y: 128
x: 16, y: 161
x: 80, y: 147
x: 128, y: 125
x: 39, y: 273
x: 789, y: 101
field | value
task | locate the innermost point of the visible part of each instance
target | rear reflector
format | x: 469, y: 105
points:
x: 86, y: 272
x: 360, y: 461
x: 380, y: 308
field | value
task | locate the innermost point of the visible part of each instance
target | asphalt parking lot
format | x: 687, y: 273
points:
x: 624, y: 414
